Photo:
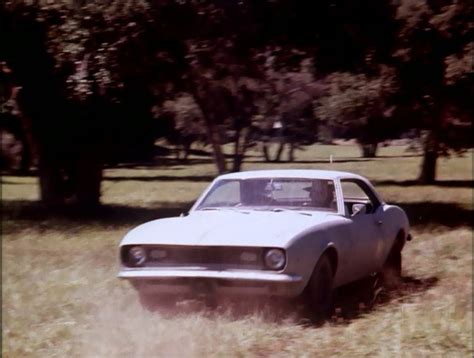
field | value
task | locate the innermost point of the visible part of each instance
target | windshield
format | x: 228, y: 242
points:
x: 272, y: 193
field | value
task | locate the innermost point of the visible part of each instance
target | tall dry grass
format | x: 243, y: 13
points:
x: 61, y: 296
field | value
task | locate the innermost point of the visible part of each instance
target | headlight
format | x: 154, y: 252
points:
x: 136, y: 255
x: 275, y: 259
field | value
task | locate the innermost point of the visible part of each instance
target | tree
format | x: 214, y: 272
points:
x: 181, y: 123
x: 224, y: 76
x: 435, y: 72
x: 17, y: 152
x: 359, y: 105
x: 78, y: 90
x: 42, y: 100
x: 287, y: 109
x: 91, y: 73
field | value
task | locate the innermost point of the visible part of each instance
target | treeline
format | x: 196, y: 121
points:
x: 88, y: 82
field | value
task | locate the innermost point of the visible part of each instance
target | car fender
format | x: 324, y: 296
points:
x: 306, y: 249
x: 395, y: 224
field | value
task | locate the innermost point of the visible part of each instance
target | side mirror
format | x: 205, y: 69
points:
x: 358, y: 209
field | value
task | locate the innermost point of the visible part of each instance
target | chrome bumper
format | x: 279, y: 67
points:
x: 181, y: 281
x: 157, y: 274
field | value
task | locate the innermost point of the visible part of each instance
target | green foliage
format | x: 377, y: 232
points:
x: 355, y: 100
x: 459, y: 66
x: 434, y: 51
x: 433, y: 69
x: 101, y: 68
x: 180, y: 121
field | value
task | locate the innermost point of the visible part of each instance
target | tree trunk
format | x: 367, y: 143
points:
x: 87, y: 180
x: 213, y: 133
x: 291, y: 152
x: 266, y: 154
x: 369, y: 150
x: 187, y: 149
x: 215, y: 139
x: 428, y: 166
x: 26, y: 158
x: 240, y: 147
x: 238, y: 157
x: 237, y: 164
x: 280, y: 149
x: 30, y: 154
x: 51, y: 181
x: 78, y: 184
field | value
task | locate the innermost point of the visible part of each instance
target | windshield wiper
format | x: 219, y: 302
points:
x: 236, y: 209
x: 279, y: 210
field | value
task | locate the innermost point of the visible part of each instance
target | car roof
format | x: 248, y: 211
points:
x: 292, y: 173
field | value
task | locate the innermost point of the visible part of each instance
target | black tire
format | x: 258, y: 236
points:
x: 392, y: 270
x: 320, y: 289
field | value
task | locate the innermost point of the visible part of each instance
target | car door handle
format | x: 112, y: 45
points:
x: 379, y: 222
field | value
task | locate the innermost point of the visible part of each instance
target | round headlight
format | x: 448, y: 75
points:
x: 275, y: 259
x: 137, y: 255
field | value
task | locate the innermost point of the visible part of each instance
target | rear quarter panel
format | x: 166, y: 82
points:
x: 304, y: 251
x: 395, y: 222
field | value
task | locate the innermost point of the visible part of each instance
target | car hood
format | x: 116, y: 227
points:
x: 228, y: 228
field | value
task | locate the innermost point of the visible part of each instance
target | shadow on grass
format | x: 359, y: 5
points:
x: 160, y: 162
x: 10, y: 182
x: 432, y: 213
x: 384, y: 156
x: 359, y: 298
x: 421, y: 214
x: 171, y: 178
x: 18, y: 173
x: 319, y: 161
x: 121, y: 215
x: 440, y: 183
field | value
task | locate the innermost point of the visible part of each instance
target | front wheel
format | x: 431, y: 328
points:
x: 320, y: 289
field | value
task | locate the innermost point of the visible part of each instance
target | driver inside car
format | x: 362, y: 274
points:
x: 321, y: 194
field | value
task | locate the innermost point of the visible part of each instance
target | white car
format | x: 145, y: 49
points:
x: 273, y: 233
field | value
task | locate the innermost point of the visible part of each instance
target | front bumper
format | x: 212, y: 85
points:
x: 189, y: 280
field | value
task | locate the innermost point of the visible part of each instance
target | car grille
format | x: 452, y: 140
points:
x: 207, y: 256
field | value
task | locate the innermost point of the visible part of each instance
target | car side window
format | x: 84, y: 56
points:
x: 357, y: 192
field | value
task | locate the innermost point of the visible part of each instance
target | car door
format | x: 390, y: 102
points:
x: 365, y: 228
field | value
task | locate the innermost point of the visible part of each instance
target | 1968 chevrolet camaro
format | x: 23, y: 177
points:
x: 274, y: 233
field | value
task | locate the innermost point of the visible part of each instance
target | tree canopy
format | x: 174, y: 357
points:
x: 94, y: 75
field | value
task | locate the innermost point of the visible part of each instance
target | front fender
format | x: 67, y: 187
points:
x: 304, y: 252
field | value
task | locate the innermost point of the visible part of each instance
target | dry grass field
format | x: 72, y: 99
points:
x: 61, y: 296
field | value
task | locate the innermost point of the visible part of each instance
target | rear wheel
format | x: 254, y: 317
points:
x: 320, y: 289
x: 392, y: 270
